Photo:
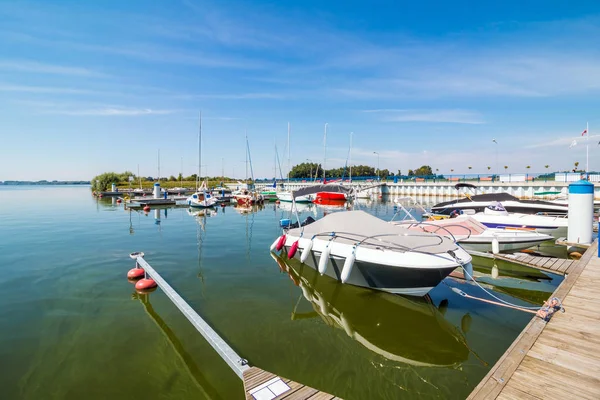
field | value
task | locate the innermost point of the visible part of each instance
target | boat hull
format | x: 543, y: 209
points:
x: 391, y: 279
x: 287, y: 197
x: 521, y: 207
x: 485, y: 245
x: 330, y: 196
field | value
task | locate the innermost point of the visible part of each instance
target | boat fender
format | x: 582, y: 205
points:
x: 348, y: 265
x: 495, y: 245
x: 324, y: 260
x: 468, y: 268
x: 293, y: 249
x: 281, y: 242
x: 274, y: 245
x: 306, y: 252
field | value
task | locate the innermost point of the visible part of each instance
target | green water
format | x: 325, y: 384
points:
x: 72, y: 326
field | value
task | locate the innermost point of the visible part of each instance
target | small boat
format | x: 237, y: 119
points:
x: 477, y: 203
x: 496, y: 216
x: 201, y: 199
x: 249, y: 198
x: 377, y: 320
x: 362, y: 250
x: 287, y: 197
x: 473, y: 235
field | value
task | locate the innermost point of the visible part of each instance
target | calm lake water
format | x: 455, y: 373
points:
x: 72, y: 326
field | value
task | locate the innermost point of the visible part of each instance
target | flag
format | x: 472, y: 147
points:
x: 584, y: 132
x: 573, y: 143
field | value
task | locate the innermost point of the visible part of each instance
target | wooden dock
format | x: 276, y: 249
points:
x: 258, y: 384
x: 558, y: 266
x: 559, y: 359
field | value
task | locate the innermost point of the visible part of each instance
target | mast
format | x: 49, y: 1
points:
x: 289, y: 165
x: 350, y: 156
x: 139, y: 177
x: 587, y: 148
x: 199, y: 150
x: 158, y: 180
x: 325, y: 153
x: 246, y: 136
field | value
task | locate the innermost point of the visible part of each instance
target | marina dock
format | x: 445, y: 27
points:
x: 554, y: 265
x: 559, y: 358
x: 258, y: 384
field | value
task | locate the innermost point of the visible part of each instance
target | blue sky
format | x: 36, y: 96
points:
x: 89, y: 86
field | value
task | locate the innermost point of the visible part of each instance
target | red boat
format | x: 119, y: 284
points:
x: 330, y: 196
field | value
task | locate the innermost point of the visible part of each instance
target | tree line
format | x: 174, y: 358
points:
x: 315, y: 170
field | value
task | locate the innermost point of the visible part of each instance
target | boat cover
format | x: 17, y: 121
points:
x: 322, y: 188
x: 354, y: 226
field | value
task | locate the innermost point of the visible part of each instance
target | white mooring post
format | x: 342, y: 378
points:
x: 581, y: 212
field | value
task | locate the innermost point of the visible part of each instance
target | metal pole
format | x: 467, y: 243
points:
x: 377, y: 164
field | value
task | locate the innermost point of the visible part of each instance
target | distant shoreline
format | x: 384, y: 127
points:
x: 45, y: 183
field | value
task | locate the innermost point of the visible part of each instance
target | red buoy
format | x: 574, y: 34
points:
x: 147, y: 209
x: 277, y: 202
x: 118, y: 200
x: 100, y: 195
x: 135, y: 273
x: 223, y: 204
x: 144, y: 284
x: 293, y: 249
x: 280, y: 243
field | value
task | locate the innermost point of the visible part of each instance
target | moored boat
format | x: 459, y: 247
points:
x: 360, y: 249
x: 473, y: 235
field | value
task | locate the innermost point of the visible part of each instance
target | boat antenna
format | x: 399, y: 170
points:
x: 289, y: 157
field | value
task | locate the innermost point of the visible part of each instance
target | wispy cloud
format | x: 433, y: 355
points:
x: 114, y: 112
x: 42, y: 68
x: 43, y: 89
x: 444, y: 116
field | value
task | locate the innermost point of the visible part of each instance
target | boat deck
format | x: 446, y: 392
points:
x: 559, y: 359
x: 259, y: 384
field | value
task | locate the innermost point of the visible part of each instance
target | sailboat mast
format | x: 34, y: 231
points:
x: 325, y: 153
x: 289, y: 157
x: 350, y: 156
x: 246, y: 136
x: 587, y: 148
x: 139, y: 177
x: 158, y: 180
x: 199, y: 150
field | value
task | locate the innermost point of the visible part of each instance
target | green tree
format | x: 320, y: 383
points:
x: 103, y: 182
x: 172, y: 178
x: 424, y: 170
x: 506, y: 167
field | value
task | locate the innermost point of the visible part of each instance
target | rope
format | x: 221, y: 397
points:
x: 495, y: 297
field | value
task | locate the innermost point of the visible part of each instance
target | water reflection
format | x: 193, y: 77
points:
x: 407, y: 330
x: 195, y: 373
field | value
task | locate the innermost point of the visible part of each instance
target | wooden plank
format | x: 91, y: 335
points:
x: 258, y: 380
x: 512, y: 393
x: 505, y: 370
x: 552, y: 262
x: 300, y: 394
x: 545, y: 380
x: 321, y: 396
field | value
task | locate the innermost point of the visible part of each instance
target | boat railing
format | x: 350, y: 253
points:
x: 551, y: 214
x: 438, y: 227
x: 356, y: 238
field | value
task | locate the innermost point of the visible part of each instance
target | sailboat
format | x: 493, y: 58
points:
x: 201, y: 199
x: 332, y: 195
x: 248, y: 196
x: 287, y: 195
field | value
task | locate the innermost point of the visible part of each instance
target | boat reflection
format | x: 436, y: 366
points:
x: 249, y: 209
x: 407, y: 330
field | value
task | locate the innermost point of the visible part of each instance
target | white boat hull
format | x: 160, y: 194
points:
x: 287, y: 197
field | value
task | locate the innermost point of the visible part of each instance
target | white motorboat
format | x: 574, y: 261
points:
x: 287, y: 197
x: 362, y: 250
x: 496, y: 216
x: 477, y: 203
x: 473, y: 235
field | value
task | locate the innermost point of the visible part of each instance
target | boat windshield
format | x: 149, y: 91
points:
x: 497, y: 206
